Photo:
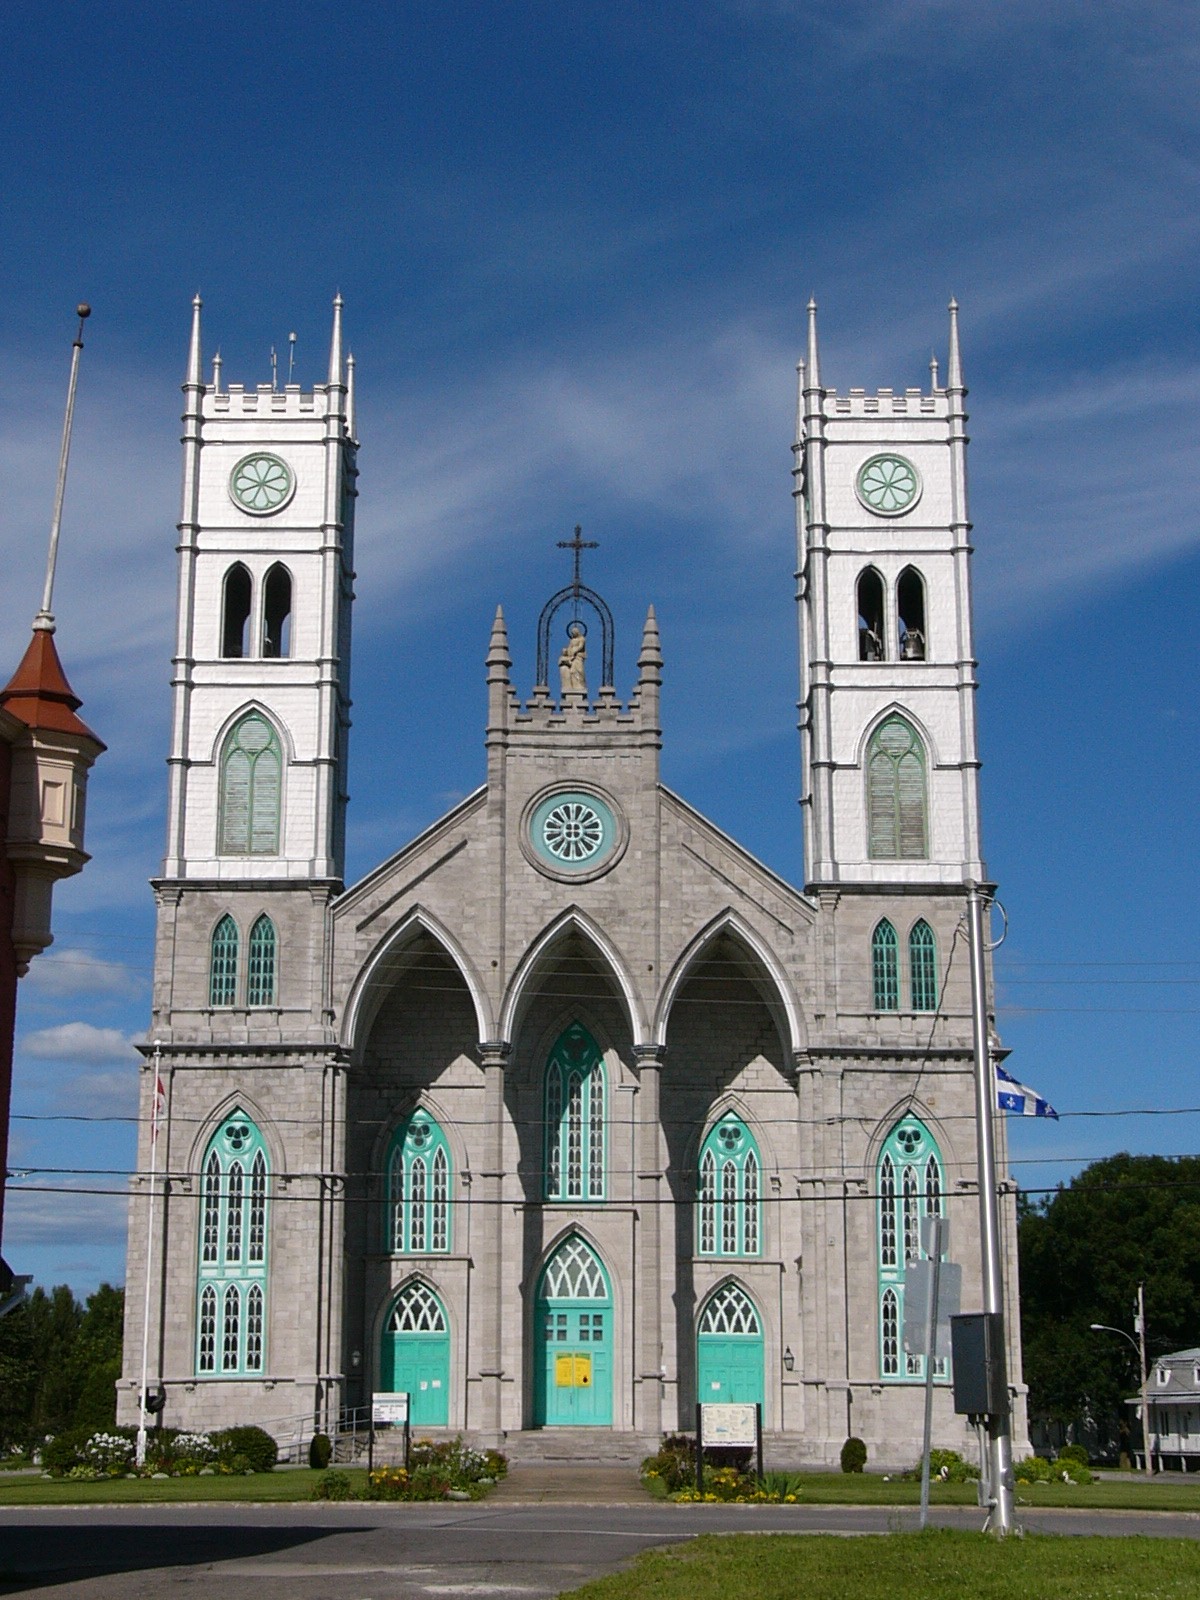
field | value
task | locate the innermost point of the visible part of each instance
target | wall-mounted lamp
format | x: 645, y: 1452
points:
x: 789, y: 1360
x: 356, y: 1358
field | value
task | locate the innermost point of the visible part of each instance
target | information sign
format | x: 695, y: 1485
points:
x: 728, y: 1425
x: 389, y: 1408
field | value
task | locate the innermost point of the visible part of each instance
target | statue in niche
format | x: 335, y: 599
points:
x: 572, y: 663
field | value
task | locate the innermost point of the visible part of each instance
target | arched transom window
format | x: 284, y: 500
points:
x: 730, y: 1310
x: 575, y: 1118
x: 251, y: 779
x: 911, y: 1185
x: 417, y: 1310
x: 574, y: 1273
x: 730, y: 1191
x: 418, y: 1189
x: 897, y: 822
x: 232, y: 1277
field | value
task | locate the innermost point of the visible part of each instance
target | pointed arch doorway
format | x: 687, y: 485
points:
x: 729, y: 1348
x: 415, y: 1356
x: 573, y: 1332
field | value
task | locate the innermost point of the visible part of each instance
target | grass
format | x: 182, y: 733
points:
x: 261, y: 1486
x: 870, y: 1489
x: 907, y: 1566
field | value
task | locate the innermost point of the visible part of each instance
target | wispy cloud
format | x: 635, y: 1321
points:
x: 77, y: 1041
x: 68, y: 1216
x: 67, y: 972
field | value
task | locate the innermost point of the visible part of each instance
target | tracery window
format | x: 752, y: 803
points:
x: 729, y: 1222
x: 261, y: 963
x: 575, y: 1101
x: 911, y: 1184
x: 417, y: 1310
x: 251, y: 779
x: 232, y: 1277
x: 897, y: 821
x: 729, y: 1310
x: 885, y: 968
x: 922, y: 967
x: 223, y: 963
x: 418, y: 1219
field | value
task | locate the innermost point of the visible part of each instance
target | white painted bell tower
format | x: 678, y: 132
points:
x: 887, y: 662
x: 262, y: 661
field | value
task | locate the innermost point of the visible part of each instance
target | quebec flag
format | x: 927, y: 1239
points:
x: 1019, y: 1099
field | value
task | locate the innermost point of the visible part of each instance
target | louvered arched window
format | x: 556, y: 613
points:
x: 575, y: 1118
x: 261, y: 963
x: 251, y: 784
x: 911, y: 1186
x: 897, y: 821
x: 730, y: 1191
x: 922, y: 967
x: 232, y: 1277
x: 885, y: 968
x: 223, y: 963
x: 418, y: 1219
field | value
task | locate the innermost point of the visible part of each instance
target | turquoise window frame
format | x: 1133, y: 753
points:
x: 729, y: 1191
x: 575, y: 1098
x: 233, y: 1250
x: 922, y: 966
x: 250, y: 826
x: 885, y: 967
x: 420, y: 1182
x: 262, y: 963
x: 224, y: 951
x: 910, y: 1183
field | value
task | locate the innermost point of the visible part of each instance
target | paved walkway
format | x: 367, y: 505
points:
x: 569, y: 1483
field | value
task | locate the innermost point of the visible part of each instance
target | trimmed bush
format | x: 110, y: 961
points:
x: 1073, y: 1452
x: 320, y: 1451
x: 65, y: 1450
x: 258, y: 1447
x: 1033, y: 1469
x: 949, y: 1466
x: 854, y: 1455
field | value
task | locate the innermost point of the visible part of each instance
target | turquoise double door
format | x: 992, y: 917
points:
x: 573, y: 1335
x: 415, y: 1356
x: 729, y: 1349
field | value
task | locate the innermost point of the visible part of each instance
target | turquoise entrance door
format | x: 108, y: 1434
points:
x: 729, y: 1354
x: 573, y: 1341
x: 415, y: 1358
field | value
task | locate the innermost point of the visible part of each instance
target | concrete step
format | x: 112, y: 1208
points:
x: 581, y: 1445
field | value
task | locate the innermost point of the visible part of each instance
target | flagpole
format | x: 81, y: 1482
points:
x: 154, y: 1100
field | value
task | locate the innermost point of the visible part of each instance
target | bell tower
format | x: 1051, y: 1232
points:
x: 887, y: 661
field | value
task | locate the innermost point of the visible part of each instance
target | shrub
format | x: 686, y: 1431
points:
x: 782, y: 1486
x: 854, y: 1455
x: 65, y: 1451
x: 320, y: 1451
x: 457, y: 1462
x: 1033, y: 1469
x: 387, y: 1483
x: 332, y: 1486
x: 949, y: 1466
x: 674, y: 1465
x: 110, y: 1454
x: 1073, y: 1452
x: 258, y: 1447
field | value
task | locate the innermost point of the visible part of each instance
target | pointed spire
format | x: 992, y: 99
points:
x: 954, y: 376
x: 650, y: 654
x: 217, y: 373
x: 933, y: 373
x: 799, y: 402
x: 498, y: 655
x: 335, y: 344
x: 194, y: 379
x: 350, y: 419
x: 814, y: 358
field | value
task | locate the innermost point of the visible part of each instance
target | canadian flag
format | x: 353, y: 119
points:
x: 160, y: 1105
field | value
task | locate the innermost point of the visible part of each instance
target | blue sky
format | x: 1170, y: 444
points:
x: 575, y: 245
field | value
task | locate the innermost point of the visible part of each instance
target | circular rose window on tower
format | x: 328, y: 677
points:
x: 573, y: 834
x: 261, y: 483
x: 888, y: 485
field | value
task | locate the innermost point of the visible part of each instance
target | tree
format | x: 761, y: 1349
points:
x: 1083, y: 1251
x: 59, y: 1364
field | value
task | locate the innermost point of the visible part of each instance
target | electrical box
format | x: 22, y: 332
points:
x: 980, y: 1371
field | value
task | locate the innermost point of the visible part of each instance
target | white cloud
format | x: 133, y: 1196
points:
x: 71, y: 972
x: 100, y: 1094
x: 68, y: 1216
x: 77, y: 1041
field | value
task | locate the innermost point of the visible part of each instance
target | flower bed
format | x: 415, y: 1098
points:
x: 447, y: 1470
x: 88, y: 1456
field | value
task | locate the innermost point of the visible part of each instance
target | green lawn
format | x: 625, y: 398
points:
x: 290, y: 1485
x: 907, y: 1566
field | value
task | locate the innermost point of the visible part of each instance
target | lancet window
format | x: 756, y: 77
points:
x: 729, y: 1204
x: 911, y: 1185
x: 576, y: 1118
x: 232, y: 1275
x: 418, y: 1187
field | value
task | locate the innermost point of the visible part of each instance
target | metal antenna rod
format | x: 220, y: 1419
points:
x: 44, y: 621
x: 291, y: 354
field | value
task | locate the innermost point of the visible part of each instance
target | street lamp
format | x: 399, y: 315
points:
x: 1139, y: 1349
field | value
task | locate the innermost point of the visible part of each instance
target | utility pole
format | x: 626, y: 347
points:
x: 999, y: 1427
x: 1139, y: 1323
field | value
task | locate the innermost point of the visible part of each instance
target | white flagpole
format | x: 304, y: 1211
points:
x: 154, y: 1096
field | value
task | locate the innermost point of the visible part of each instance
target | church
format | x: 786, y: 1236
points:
x: 571, y: 1113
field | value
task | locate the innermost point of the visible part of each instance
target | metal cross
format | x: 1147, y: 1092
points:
x: 578, y: 545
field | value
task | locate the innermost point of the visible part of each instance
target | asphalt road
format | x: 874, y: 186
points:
x: 413, y: 1552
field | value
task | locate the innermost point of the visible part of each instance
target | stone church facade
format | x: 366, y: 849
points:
x: 571, y: 1113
